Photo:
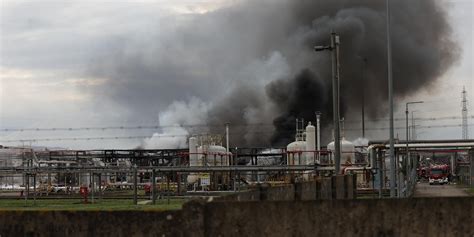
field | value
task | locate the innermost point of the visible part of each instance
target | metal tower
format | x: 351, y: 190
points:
x: 465, y: 130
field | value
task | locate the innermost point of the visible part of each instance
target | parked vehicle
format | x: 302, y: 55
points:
x: 439, y: 174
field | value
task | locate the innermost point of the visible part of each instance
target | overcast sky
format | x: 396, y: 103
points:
x: 444, y: 100
x: 54, y: 56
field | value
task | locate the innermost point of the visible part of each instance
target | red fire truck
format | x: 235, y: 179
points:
x: 439, y: 174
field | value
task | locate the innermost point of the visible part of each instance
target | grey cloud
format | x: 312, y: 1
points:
x: 152, y: 61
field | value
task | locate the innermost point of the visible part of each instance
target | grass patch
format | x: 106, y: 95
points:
x: 98, y: 205
x: 368, y: 196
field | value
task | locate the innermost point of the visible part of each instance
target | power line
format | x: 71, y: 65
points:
x: 418, y: 126
x: 123, y: 137
x: 416, y: 119
x: 156, y: 127
x: 82, y: 138
x: 137, y: 127
x: 186, y: 135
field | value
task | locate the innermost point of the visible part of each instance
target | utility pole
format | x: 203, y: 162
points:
x: 334, y: 48
x: 135, y: 184
x: 407, y: 159
x: 390, y: 102
x: 465, y: 128
x: 318, y: 131
x: 364, y: 64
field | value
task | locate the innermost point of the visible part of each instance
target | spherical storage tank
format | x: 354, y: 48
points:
x: 296, y: 154
x: 347, y: 150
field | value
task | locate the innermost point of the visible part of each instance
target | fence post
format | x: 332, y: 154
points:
x: 471, y: 168
x: 340, y: 187
x: 153, y: 187
x: 135, y: 185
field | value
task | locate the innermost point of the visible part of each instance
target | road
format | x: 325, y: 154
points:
x: 447, y: 190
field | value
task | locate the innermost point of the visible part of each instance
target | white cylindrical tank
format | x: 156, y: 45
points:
x: 213, y: 155
x: 296, y: 154
x: 193, y: 156
x: 193, y: 159
x: 347, y: 150
x: 310, y: 144
x: 206, y: 155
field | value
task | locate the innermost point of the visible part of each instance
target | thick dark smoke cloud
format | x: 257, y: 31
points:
x: 294, y: 97
x: 230, y: 57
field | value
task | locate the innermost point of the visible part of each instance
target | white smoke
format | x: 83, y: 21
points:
x: 361, y: 142
x: 177, y: 121
x: 180, y: 119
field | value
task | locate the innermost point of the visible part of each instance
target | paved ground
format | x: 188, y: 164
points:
x: 447, y: 190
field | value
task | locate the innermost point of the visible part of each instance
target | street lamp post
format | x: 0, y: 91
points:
x: 334, y: 48
x: 364, y: 64
x: 390, y: 103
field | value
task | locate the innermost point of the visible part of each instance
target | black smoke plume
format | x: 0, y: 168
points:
x: 422, y: 48
x: 222, y: 57
x: 294, y: 97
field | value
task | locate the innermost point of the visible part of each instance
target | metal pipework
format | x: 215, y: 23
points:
x: 447, y: 142
x: 160, y: 169
x: 437, y: 145
x: 371, y: 155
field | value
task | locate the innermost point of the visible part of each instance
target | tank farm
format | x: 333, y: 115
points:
x: 210, y: 168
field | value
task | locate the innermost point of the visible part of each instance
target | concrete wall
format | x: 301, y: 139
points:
x: 337, y: 187
x: 86, y: 223
x: 410, y: 217
x: 386, y: 217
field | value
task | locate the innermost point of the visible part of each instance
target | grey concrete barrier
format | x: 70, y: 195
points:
x: 379, y: 217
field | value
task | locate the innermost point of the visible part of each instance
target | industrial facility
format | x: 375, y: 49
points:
x: 236, y: 118
x: 209, y: 168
